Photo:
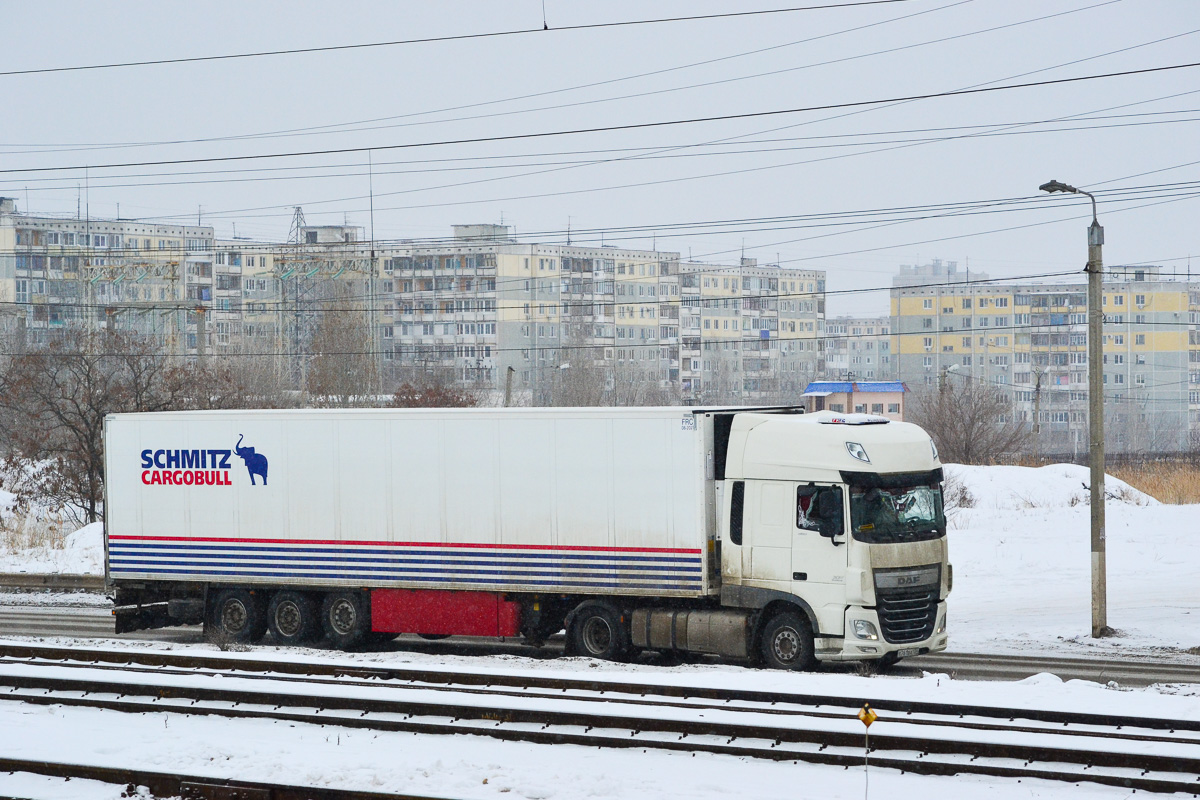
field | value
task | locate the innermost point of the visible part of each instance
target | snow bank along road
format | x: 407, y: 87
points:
x: 1137, y: 752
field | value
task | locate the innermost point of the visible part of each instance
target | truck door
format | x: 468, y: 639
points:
x: 767, y: 554
x: 818, y: 557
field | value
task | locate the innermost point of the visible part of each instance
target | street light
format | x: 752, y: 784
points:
x: 1095, y: 271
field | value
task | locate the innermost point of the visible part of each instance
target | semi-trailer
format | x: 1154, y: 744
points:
x: 766, y: 535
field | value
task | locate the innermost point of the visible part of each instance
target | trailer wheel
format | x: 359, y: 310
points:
x: 236, y: 616
x: 787, y: 642
x: 597, y: 632
x: 293, y: 618
x: 345, y: 619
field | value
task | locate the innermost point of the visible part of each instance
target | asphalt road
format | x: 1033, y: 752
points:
x: 97, y: 622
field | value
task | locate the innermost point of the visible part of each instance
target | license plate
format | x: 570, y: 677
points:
x: 907, y: 652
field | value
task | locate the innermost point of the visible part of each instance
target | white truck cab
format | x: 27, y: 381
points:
x: 841, y: 515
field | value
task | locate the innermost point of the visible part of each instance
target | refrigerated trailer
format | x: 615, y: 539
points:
x: 756, y: 534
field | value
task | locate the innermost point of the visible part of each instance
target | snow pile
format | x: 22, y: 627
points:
x: 1022, y: 564
x: 1052, y: 486
x: 82, y: 553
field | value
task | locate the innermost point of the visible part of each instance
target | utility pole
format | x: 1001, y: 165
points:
x: 1037, y: 414
x: 201, y: 330
x: 1095, y: 273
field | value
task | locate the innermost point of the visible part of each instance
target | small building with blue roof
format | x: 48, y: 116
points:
x: 883, y: 398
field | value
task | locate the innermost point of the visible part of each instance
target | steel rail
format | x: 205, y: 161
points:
x: 194, y: 787
x: 1172, y: 773
x: 462, y: 678
x: 692, y: 703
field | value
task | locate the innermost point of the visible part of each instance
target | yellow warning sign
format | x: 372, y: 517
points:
x: 867, y: 714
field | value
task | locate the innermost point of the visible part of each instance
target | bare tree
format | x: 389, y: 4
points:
x: 343, y: 369
x: 435, y: 389
x: 970, y: 421
x: 56, y: 397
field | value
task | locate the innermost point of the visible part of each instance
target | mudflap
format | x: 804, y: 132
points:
x: 140, y: 618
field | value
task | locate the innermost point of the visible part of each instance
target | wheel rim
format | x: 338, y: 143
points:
x: 234, y: 616
x: 342, y: 617
x: 287, y: 618
x: 786, y: 645
x: 597, y: 635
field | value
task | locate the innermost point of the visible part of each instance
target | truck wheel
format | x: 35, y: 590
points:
x: 293, y: 618
x: 236, y: 616
x: 345, y: 619
x: 597, y: 632
x: 787, y: 642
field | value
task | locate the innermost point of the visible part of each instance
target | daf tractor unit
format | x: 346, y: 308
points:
x: 764, y: 535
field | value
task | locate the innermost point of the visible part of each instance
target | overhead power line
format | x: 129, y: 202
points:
x: 559, y: 348
x: 610, y: 128
x: 451, y: 38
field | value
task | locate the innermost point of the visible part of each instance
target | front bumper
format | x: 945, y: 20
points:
x: 852, y: 648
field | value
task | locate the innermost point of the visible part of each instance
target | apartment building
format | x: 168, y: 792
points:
x: 58, y: 272
x: 1029, y: 340
x: 750, y: 331
x: 859, y: 348
x: 475, y: 305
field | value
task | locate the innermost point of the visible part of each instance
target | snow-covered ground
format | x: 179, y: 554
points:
x: 1022, y: 566
x: 82, y: 554
x: 477, y: 767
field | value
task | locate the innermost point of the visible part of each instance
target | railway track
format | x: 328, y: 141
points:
x: 929, y: 738
x: 191, y: 787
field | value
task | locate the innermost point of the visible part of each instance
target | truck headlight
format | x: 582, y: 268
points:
x: 864, y: 630
x: 941, y: 623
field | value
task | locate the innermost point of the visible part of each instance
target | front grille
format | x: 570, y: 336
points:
x: 907, y: 615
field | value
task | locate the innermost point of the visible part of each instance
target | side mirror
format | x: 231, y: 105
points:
x: 829, y: 508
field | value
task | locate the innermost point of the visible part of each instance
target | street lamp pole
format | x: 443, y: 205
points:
x: 1095, y: 271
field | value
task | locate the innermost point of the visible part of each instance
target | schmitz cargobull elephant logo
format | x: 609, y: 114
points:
x: 256, y: 463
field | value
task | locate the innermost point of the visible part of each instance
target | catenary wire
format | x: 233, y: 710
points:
x: 627, y: 126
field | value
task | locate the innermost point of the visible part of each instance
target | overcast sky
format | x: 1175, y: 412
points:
x: 681, y: 184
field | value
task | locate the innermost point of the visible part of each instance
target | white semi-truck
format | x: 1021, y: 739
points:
x: 760, y: 534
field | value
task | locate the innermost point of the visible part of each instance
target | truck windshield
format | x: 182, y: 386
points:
x: 897, y: 514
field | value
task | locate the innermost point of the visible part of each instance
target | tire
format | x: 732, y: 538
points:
x: 236, y: 616
x: 597, y: 632
x: 345, y: 619
x: 294, y: 618
x: 434, y: 637
x: 787, y: 642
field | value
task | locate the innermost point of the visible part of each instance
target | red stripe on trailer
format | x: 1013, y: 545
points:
x: 361, y: 543
x: 442, y: 612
